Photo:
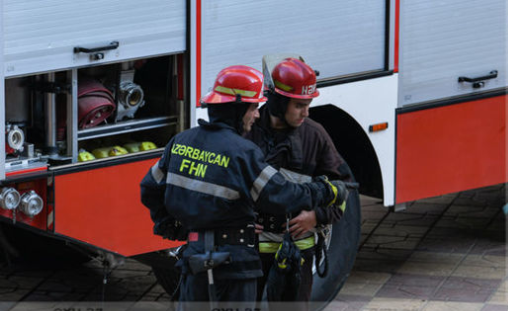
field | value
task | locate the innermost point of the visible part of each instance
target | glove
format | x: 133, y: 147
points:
x: 171, y: 229
x: 338, y: 188
x: 340, y: 191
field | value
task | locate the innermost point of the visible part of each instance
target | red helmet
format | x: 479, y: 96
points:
x: 236, y: 83
x: 294, y: 78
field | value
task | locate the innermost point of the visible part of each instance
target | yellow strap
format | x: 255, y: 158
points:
x: 335, y: 191
x: 273, y: 247
x: 306, y: 243
x: 233, y: 92
x: 268, y: 247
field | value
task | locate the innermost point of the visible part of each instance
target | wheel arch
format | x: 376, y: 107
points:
x: 355, y: 147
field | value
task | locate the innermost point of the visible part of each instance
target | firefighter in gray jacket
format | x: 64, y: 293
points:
x: 300, y: 149
x: 211, y: 180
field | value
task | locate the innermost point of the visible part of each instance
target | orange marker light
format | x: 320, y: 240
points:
x: 378, y: 127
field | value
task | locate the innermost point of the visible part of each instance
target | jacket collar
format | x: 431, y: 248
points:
x: 214, y: 126
x: 290, y: 144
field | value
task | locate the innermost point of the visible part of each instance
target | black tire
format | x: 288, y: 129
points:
x: 169, y: 279
x: 22, y: 245
x: 345, y: 237
x: 163, y: 267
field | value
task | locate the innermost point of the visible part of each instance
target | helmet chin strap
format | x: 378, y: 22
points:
x: 230, y: 113
x: 241, y: 109
x: 277, y: 106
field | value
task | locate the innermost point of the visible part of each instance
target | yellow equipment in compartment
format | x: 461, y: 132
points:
x: 117, y: 150
x: 137, y: 147
x: 106, y: 152
x: 84, y: 156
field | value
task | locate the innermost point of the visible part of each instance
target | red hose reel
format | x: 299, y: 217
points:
x: 95, y: 103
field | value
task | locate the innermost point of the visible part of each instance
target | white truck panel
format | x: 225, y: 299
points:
x: 242, y: 32
x: 193, y: 100
x: 40, y: 35
x: 201, y: 113
x: 442, y: 40
x: 379, y: 98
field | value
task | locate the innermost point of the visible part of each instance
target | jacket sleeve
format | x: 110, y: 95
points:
x: 330, y: 163
x: 153, y: 188
x: 272, y: 193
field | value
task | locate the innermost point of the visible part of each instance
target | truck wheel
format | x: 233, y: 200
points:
x: 26, y: 246
x: 169, y: 279
x: 343, y: 243
x: 163, y: 267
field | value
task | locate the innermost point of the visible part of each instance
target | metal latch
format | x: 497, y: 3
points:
x: 478, y: 82
x: 97, y: 53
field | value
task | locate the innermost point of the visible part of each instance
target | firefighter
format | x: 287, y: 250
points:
x: 211, y: 180
x: 300, y: 149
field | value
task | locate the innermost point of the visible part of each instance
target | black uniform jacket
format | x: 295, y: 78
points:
x: 210, y: 177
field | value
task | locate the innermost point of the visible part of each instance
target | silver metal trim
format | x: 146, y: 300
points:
x: 50, y: 111
x: 126, y: 127
x: 128, y: 155
x: 72, y: 117
x: 2, y: 98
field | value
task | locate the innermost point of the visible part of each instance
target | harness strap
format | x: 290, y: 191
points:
x: 272, y: 247
x: 209, y: 241
x: 209, y: 246
x: 321, y: 253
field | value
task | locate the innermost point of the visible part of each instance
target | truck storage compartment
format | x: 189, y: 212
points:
x: 451, y: 48
x: 50, y: 35
x: 93, y: 113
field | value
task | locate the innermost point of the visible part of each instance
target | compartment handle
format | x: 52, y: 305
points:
x: 491, y: 75
x: 96, y: 52
x: 478, y: 81
x: 113, y: 45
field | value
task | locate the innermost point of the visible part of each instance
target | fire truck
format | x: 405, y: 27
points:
x: 413, y: 94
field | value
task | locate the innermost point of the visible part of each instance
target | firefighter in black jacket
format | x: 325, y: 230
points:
x: 300, y: 149
x: 212, y: 180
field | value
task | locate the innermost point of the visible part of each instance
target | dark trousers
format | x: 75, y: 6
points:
x: 305, y: 289
x: 230, y: 293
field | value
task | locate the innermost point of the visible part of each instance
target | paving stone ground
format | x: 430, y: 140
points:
x: 444, y: 253
x: 440, y: 254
